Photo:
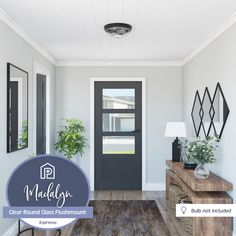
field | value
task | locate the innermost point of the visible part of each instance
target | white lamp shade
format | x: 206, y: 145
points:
x: 176, y: 129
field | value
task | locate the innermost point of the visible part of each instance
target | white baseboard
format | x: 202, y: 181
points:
x: 155, y: 187
x: 13, y: 230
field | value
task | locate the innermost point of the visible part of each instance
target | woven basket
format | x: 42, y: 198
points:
x: 175, y: 194
x: 186, y: 222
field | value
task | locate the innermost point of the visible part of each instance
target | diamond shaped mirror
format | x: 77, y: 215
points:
x: 207, y: 111
x: 197, y: 113
x: 219, y: 112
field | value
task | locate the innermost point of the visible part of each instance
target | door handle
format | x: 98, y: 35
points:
x: 136, y: 131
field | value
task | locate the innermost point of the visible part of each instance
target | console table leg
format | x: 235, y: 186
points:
x: 168, y: 182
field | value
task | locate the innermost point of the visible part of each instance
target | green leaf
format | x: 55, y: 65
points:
x: 71, y: 138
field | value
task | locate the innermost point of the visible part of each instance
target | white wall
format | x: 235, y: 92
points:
x: 164, y: 103
x: 16, y: 51
x: 217, y: 63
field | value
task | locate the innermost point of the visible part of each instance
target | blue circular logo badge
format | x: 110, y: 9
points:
x: 48, y: 192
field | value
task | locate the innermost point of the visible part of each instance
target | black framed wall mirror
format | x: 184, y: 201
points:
x: 17, y: 108
x: 210, y: 114
x: 206, y: 113
x: 220, y: 110
x: 196, y: 114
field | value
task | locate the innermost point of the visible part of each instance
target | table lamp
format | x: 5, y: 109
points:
x: 177, y: 130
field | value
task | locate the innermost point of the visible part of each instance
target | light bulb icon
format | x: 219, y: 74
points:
x: 183, y: 209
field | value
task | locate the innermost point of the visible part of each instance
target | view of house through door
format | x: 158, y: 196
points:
x: 41, y: 114
x: 118, y: 135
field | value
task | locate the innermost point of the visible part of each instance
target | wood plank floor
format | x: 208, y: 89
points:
x: 167, y: 213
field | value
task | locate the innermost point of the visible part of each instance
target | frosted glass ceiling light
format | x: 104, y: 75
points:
x: 117, y: 30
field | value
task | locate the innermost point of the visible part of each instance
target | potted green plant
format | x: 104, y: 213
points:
x: 203, y: 152
x: 71, y: 138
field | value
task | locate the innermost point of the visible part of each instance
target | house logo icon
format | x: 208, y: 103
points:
x: 47, y: 171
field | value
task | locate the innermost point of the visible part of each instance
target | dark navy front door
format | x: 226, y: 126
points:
x: 118, y: 135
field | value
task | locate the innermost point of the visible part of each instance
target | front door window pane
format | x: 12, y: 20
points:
x: 118, y: 122
x: 118, y: 98
x: 118, y: 145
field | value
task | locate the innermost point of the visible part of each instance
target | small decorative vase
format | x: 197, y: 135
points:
x: 201, y: 172
x: 188, y: 163
x: 190, y: 166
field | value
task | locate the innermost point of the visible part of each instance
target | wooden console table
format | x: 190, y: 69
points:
x: 210, y: 191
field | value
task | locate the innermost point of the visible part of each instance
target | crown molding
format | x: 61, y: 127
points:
x: 18, y: 30
x: 219, y: 31
x: 119, y: 63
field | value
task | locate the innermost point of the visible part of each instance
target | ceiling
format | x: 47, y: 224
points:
x: 163, y: 30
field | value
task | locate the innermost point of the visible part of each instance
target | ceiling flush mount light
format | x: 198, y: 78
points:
x: 117, y: 30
